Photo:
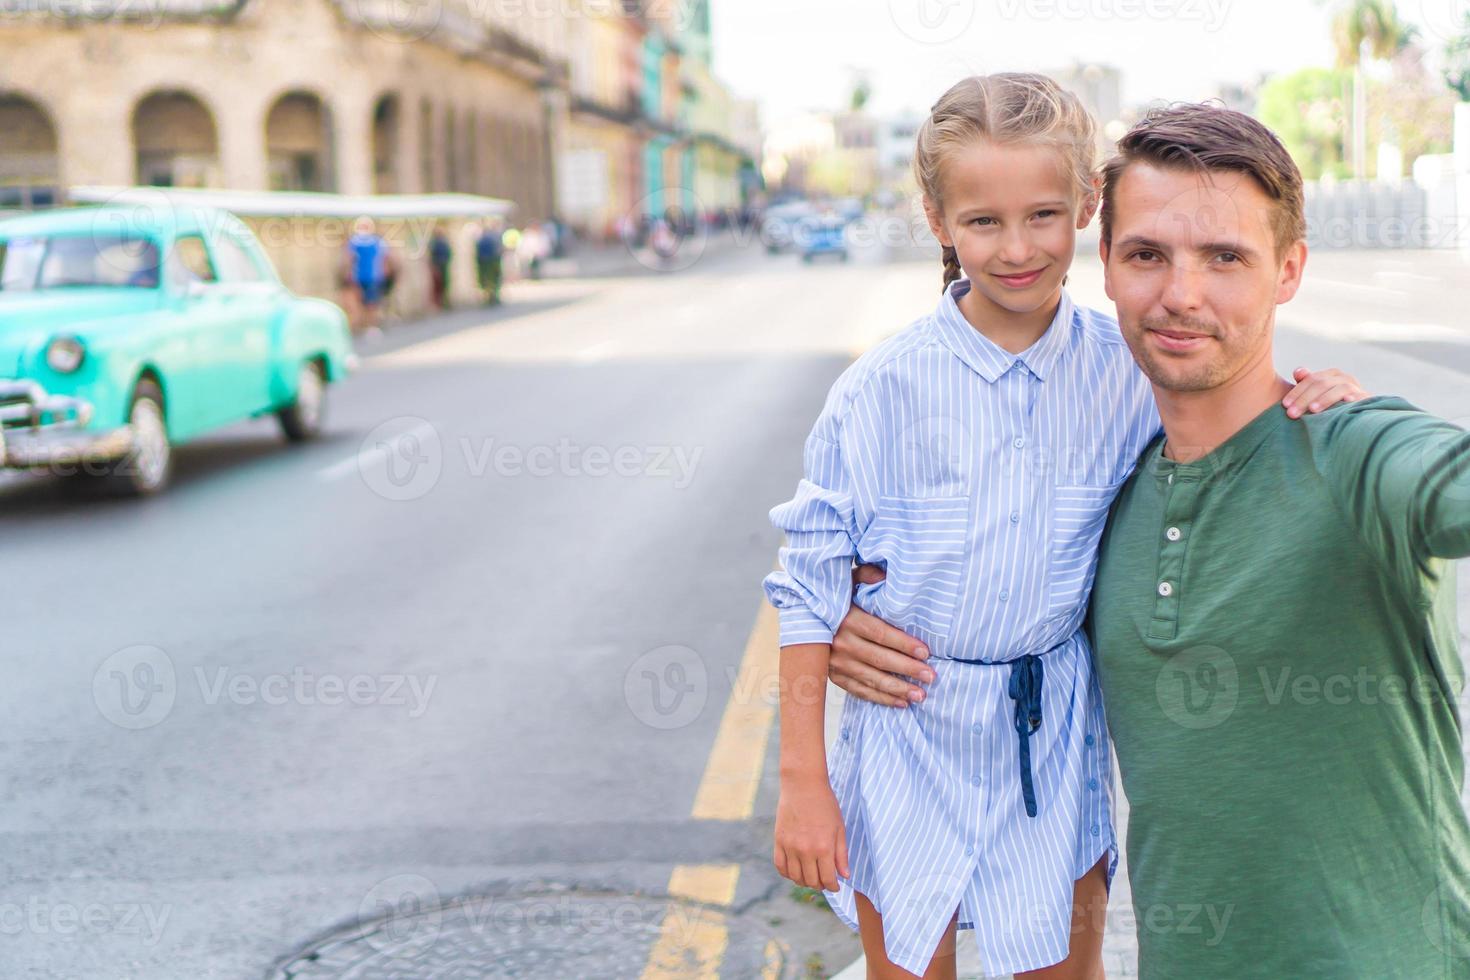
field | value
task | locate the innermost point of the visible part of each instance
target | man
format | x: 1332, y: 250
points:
x: 441, y: 254
x: 1274, y: 610
x: 489, y: 253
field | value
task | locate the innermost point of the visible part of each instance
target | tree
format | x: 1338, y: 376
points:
x: 1306, y: 110
x: 1457, y: 61
x: 1364, y: 29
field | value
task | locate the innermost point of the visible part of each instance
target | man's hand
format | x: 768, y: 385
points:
x: 1317, y: 391
x: 867, y: 653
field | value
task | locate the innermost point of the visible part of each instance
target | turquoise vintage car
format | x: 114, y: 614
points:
x: 125, y: 331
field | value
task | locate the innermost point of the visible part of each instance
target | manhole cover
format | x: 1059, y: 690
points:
x: 551, y: 935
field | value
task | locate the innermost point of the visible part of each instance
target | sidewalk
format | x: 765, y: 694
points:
x: 589, y: 260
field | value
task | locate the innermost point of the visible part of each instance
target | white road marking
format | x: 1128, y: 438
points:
x: 363, y: 459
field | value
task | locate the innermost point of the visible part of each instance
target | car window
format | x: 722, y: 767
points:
x: 189, y: 262
x: 235, y: 264
x: 69, y: 261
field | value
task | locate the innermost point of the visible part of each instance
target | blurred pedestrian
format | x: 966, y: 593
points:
x: 440, y: 254
x: 489, y: 255
x: 535, y: 248
x: 371, y: 268
x: 663, y: 240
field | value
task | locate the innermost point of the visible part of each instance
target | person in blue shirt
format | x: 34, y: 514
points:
x: 973, y: 456
x: 371, y: 268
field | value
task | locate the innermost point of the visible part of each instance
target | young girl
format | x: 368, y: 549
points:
x: 974, y: 456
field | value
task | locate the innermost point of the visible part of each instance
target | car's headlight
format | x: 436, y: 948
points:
x: 64, y: 354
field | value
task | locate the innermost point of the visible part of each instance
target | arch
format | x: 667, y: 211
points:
x: 175, y: 141
x: 387, y: 127
x: 299, y: 143
x: 30, y: 168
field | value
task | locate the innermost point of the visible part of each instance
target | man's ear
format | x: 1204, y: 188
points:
x: 935, y: 218
x: 1292, y: 266
x: 1103, y: 251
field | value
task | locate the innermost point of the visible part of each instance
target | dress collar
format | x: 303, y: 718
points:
x: 985, y: 356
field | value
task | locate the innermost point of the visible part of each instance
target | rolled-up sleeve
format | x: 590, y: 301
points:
x: 813, y: 588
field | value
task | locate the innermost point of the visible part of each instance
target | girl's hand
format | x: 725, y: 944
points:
x: 1316, y: 391
x: 811, y: 844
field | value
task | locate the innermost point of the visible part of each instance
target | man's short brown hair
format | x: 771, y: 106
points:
x: 1204, y: 137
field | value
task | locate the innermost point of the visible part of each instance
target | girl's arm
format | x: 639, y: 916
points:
x: 811, y: 845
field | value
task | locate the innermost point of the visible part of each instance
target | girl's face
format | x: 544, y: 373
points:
x: 1012, y: 217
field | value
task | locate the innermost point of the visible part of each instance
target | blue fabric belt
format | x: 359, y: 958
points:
x: 1025, y: 690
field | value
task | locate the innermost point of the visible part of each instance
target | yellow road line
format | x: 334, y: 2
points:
x: 693, y: 938
x: 733, y: 773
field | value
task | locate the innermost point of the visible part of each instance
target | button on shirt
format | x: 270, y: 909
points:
x: 980, y: 479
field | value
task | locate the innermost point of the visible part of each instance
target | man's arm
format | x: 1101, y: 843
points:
x: 870, y: 658
x: 1404, y: 476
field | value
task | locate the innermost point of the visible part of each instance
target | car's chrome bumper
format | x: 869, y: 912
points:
x: 41, y: 429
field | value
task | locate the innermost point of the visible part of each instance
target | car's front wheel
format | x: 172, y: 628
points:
x: 302, y: 419
x: 149, y: 463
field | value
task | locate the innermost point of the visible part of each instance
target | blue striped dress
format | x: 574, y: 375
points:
x: 981, y: 480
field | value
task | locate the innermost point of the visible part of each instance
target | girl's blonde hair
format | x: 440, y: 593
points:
x: 1006, y: 107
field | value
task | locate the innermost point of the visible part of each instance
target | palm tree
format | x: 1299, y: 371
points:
x: 1364, y: 29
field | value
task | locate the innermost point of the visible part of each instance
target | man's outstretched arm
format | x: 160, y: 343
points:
x: 871, y: 659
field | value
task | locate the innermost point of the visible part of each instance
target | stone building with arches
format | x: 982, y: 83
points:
x: 587, y: 110
x: 318, y: 95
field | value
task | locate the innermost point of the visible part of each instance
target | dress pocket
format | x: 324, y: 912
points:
x: 1079, y: 514
x: 923, y: 543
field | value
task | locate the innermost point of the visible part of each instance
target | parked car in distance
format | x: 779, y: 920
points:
x: 778, y: 225
x: 126, y: 331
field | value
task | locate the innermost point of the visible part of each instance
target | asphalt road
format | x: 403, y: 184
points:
x: 479, y: 642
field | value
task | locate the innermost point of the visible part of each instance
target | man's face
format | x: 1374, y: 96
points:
x: 1195, y: 273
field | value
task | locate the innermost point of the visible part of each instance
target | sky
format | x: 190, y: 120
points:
x: 793, y: 55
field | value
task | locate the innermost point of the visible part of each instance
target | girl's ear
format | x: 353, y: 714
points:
x: 936, y: 223
x: 1087, y: 210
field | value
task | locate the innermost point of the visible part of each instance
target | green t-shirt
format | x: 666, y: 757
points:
x: 1276, y: 640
